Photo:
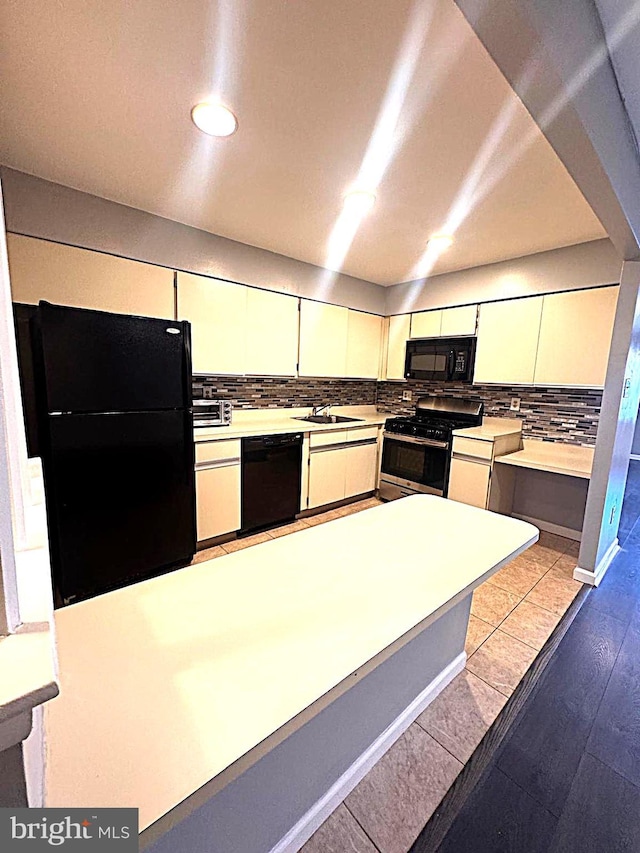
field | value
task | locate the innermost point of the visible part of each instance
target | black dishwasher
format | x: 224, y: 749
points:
x: 271, y: 473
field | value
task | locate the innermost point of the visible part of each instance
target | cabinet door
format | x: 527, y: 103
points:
x: 271, y: 333
x: 507, y: 341
x: 217, y: 501
x: 361, y: 469
x: 575, y: 335
x: 217, y: 311
x: 469, y: 482
x: 323, y: 339
x: 66, y: 275
x: 364, y: 336
x: 426, y: 324
x: 459, y: 321
x: 398, y: 336
x: 327, y: 475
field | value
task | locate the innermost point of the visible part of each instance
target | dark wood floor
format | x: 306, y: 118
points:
x: 566, y: 777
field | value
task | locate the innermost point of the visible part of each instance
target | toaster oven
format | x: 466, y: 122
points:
x: 211, y: 413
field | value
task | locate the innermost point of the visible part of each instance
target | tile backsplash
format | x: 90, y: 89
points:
x: 274, y: 392
x: 553, y: 414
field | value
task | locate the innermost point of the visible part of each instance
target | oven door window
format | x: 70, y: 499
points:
x: 415, y: 462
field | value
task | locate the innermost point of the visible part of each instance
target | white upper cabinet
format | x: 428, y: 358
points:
x: 459, y: 321
x: 556, y: 339
x: 271, y: 333
x: 399, y: 328
x: 364, y: 339
x: 66, y: 275
x: 323, y: 339
x: 444, y: 322
x: 217, y: 311
x: 575, y: 335
x: 507, y: 341
x: 426, y: 324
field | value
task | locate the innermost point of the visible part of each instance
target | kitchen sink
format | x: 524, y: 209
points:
x: 327, y: 419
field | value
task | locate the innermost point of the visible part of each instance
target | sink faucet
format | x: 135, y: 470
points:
x: 317, y: 409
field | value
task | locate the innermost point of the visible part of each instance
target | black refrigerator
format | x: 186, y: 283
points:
x: 113, y: 399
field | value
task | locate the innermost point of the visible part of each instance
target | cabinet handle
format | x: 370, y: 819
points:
x: 343, y: 444
x: 217, y: 463
x: 465, y: 457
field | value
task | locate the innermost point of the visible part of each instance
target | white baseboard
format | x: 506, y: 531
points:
x: 550, y: 527
x: 594, y: 578
x: 302, y: 831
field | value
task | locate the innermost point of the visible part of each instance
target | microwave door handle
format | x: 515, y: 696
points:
x: 452, y: 364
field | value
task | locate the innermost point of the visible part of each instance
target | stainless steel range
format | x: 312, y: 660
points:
x: 416, y: 451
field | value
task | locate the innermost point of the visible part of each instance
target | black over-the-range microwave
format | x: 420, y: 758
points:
x: 440, y: 359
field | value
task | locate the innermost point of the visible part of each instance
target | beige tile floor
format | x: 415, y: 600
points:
x: 512, y: 615
x: 277, y: 532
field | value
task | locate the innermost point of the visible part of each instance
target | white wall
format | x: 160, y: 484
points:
x: 570, y: 268
x: 39, y: 208
x: 616, y: 428
x: 13, y: 451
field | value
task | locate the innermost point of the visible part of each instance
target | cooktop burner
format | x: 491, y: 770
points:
x: 437, y: 417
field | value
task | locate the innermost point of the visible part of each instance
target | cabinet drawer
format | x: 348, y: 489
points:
x: 216, y: 451
x: 322, y: 439
x: 472, y: 447
x: 362, y: 434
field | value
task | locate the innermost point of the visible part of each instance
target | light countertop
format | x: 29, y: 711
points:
x: 569, y: 459
x: 27, y: 658
x: 272, y: 421
x: 491, y: 428
x: 171, y: 682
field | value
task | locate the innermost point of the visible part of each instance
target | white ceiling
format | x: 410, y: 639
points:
x: 97, y: 96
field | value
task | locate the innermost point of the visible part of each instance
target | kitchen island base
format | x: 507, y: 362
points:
x: 279, y: 802
x: 302, y: 657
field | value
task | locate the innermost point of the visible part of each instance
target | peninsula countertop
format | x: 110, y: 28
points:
x: 168, y: 683
x: 559, y: 458
x: 491, y: 428
x: 28, y: 675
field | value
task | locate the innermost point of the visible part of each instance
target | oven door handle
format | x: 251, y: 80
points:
x: 426, y: 442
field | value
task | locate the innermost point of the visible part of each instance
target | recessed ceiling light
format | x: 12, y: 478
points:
x: 440, y: 242
x: 214, y: 119
x: 359, y: 202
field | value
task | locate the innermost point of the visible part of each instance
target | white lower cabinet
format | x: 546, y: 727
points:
x: 470, y: 474
x: 218, y: 484
x: 469, y: 482
x: 327, y: 475
x: 361, y: 469
x: 342, y: 463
